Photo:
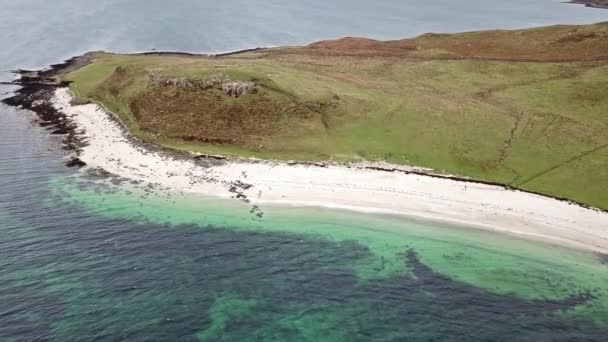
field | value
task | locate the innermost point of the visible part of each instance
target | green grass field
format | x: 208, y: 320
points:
x: 538, y: 125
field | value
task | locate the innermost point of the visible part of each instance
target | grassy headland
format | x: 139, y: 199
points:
x: 525, y: 108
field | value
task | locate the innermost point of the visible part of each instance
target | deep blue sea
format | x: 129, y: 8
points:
x: 82, y: 259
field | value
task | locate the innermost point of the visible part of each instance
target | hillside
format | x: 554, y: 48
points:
x: 525, y: 108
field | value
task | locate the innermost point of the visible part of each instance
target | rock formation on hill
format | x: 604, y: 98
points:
x: 229, y: 88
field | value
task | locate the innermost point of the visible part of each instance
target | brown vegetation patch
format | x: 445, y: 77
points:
x: 208, y: 115
x: 359, y: 47
x: 553, y: 43
x: 575, y: 37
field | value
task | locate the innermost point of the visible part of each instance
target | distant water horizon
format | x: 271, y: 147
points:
x: 87, y: 259
x: 38, y: 33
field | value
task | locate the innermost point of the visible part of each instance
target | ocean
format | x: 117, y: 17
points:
x: 84, y: 258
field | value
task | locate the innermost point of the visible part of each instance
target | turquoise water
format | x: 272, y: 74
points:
x: 117, y: 262
x: 85, y: 259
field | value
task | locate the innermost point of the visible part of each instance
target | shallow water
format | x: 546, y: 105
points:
x: 84, y: 259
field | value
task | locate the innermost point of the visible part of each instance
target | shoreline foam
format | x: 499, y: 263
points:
x: 357, y: 187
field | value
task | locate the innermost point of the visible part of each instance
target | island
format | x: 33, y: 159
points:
x: 499, y: 129
x: 592, y: 3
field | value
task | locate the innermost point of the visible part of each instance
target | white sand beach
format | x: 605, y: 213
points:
x: 346, y: 187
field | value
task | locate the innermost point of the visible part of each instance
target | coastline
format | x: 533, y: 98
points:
x: 108, y: 146
x: 356, y: 194
x: 102, y: 143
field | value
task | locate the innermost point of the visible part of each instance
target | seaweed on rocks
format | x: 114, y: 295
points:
x: 75, y: 162
x: 603, y: 258
x: 36, y: 91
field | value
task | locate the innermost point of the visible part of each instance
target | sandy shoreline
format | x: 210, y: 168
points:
x: 352, y: 188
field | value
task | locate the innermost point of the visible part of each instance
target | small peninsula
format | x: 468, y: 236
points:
x: 522, y: 108
x: 592, y: 3
x: 500, y: 129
